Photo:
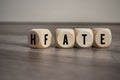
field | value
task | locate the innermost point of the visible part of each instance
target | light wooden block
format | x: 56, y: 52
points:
x: 102, y: 37
x: 83, y: 37
x: 40, y: 38
x: 65, y: 38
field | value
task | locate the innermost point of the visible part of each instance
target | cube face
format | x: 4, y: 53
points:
x: 102, y: 37
x: 65, y: 38
x: 83, y: 37
x: 40, y: 38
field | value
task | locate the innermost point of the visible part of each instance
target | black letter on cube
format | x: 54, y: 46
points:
x: 33, y: 39
x: 65, y: 40
x: 84, y: 36
x: 102, y: 38
x: 46, y: 38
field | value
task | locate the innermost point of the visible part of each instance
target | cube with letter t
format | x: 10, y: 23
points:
x: 83, y: 37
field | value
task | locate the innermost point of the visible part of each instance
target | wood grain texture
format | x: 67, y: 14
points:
x: 20, y: 62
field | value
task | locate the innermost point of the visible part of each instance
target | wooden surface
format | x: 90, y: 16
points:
x: 19, y: 62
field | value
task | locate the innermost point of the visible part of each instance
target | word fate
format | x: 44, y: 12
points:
x: 68, y: 38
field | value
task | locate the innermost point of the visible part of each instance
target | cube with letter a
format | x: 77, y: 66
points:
x: 65, y: 38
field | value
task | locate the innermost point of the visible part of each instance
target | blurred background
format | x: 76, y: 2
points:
x: 95, y: 11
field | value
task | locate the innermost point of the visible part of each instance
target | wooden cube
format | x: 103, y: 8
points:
x: 39, y: 38
x: 83, y: 37
x: 102, y: 37
x: 65, y: 38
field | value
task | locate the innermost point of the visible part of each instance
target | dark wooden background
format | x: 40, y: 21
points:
x: 19, y: 62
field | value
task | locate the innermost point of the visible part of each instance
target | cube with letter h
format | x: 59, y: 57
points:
x: 40, y: 38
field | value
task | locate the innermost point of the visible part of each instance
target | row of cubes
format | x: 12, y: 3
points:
x: 68, y: 38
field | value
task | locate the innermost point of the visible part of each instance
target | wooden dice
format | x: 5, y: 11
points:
x: 102, y: 37
x: 65, y: 38
x: 39, y: 38
x: 84, y: 37
x: 68, y: 38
